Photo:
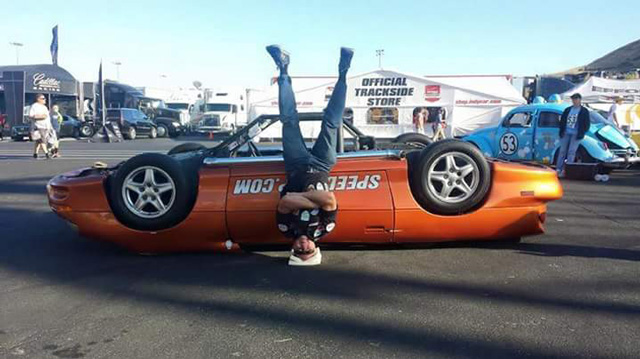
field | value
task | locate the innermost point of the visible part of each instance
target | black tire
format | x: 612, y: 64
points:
x: 471, y: 188
x: 413, y: 139
x: 186, y: 147
x: 163, y: 130
x: 131, y: 133
x: 86, y: 131
x: 582, y: 156
x: 153, y: 133
x: 179, y: 200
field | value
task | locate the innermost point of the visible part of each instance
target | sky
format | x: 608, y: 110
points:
x: 221, y: 43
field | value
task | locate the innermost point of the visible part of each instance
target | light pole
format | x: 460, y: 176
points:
x: 117, y: 63
x: 379, y: 54
x: 17, y: 45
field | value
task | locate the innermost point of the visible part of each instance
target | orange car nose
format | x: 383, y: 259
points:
x: 57, y: 193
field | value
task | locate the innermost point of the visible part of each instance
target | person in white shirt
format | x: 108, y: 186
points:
x: 41, y: 125
x: 613, y: 117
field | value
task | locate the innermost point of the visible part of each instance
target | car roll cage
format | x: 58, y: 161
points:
x: 245, y: 135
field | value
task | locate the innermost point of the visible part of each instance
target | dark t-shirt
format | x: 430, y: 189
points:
x: 313, y: 223
x: 300, y: 181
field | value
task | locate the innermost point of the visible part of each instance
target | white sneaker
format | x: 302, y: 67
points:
x: 313, y: 261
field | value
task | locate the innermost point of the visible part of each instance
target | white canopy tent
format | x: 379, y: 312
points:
x: 383, y: 101
x: 600, y: 93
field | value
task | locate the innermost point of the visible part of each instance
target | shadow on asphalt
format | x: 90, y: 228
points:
x: 40, y: 244
x: 54, y: 252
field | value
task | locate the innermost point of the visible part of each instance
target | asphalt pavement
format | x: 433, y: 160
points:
x: 573, y: 292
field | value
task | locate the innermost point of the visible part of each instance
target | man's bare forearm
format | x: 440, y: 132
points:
x: 294, y: 201
x: 323, y: 199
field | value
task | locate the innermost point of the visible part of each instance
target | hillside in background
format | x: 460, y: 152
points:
x: 626, y: 58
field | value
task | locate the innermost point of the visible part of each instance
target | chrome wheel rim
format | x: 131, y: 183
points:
x: 161, y: 131
x: 132, y: 132
x: 453, y: 177
x: 86, y: 131
x: 148, y: 192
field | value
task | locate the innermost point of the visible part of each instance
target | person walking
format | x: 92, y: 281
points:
x: 40, y: 125
x: 56, y: 122
x: 613, y: 117
x: 574, y: 123
x: 438, y: 125
x: 307, y: 208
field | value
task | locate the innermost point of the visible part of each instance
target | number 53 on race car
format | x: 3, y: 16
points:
x: 531, y: 133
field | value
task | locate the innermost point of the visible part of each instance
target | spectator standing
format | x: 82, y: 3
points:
x: 40, y: 126
x: 418, y: 120
x: 613, y: 117
x: 574, y: 123
x: 438, y: 125
x: 2, y: 123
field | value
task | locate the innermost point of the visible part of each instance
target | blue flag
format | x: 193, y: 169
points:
x: 54, y: 45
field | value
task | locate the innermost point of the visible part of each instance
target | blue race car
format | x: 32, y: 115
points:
x: 530, y: 133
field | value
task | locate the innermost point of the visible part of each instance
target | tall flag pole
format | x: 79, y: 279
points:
x: 54, y: 46
x: 103, y: 108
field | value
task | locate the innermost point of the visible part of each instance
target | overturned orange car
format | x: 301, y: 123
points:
x: 225, y: 197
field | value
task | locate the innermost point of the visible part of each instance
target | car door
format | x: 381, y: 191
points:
x: 515, y: 136
x: 365, y: 207
x: 141, y: 125
x: 66, y: 127
x: 547, y: 135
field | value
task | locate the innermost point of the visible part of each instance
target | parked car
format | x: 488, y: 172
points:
x: 168, y: 126
x: 132, y: 122
x: 20, y: 133
x: 70, y: 127
x: 199, y: 198
x: 531, y: 133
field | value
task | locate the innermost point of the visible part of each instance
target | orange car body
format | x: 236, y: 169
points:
x: 236, y: 205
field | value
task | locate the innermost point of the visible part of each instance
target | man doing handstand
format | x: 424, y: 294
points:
x: 307, y: 209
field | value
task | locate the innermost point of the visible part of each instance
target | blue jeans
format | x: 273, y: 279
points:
x: 568, y: 148
x: 323, y: 154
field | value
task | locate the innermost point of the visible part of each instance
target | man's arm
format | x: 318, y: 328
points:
x: 323, y: 199
x: 293, y: 201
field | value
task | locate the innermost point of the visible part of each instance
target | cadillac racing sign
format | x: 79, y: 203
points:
x: 43, y: 83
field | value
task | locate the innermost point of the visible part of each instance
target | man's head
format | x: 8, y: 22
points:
x: 576, y: 99
x: 303, y: 247
x: 55, y: 108
x: 41, y: 99
x: 618, y: 100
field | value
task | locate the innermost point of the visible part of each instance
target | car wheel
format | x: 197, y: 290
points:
x: 86, y: 131
x: 153, y: 133
x: 451, y: 177
x: 582, y: 156
x: 163, y: 130
x: 131, y: 133
x: 413, y: 140
x: 186, y: 147
x: 151, y: 192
